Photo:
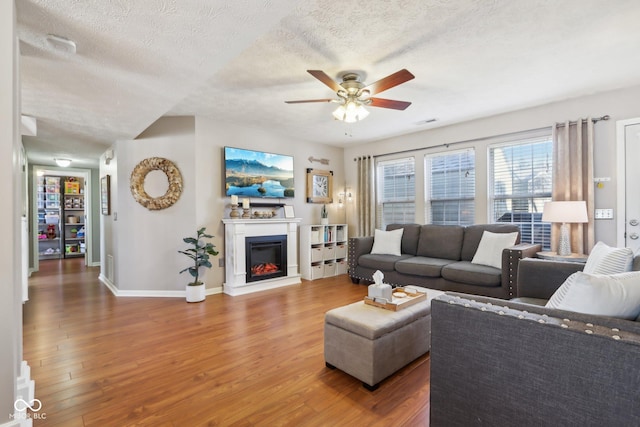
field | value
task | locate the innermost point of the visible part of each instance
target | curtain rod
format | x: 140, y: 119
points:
x: 447, y: 145
x: 594, y: 120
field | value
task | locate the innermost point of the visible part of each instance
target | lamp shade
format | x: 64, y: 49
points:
x: 565, y: 212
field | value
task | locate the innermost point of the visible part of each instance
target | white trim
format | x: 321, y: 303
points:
x: 621, y: 178
x: 150, y: 294
x: 263, y: 285
x: 108, y: 284
x: 213, y: 291
x: 18, y: 423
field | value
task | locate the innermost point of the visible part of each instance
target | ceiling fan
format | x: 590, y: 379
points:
x: 353, y: 95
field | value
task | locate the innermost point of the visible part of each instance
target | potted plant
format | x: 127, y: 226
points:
x: 324, y: 215
x: 199, y: 254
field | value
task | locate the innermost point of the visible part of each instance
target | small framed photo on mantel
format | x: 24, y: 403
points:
x: 288, y: 211
x: 319, y: 186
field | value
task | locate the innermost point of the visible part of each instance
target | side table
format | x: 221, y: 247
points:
x: 580, y: 258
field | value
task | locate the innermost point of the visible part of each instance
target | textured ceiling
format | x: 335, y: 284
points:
x: 240, y: 60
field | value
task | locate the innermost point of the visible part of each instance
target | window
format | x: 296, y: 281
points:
x: 396, y: 192
x: 519, y: 184
x: 450, y: 181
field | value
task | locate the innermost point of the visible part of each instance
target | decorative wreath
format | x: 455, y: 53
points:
x: 173, y: 176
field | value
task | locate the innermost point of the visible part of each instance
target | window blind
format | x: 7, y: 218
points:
x: 396, y: 191
x: 520, y: 179
x: 450, y: 180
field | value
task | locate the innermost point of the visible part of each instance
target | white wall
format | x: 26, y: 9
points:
x: 10, y: 215
x: 144, y: 243
x: 620, y: 105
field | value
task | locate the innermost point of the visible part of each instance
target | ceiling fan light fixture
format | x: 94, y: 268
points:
x: 339, y: 113
x: 353, y: 95
x: 350, y: 112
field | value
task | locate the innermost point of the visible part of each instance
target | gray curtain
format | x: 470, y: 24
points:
x: 365, y: 196
x: 573, y: 177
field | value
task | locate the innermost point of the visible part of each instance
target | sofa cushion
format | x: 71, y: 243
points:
x: 387, y: 242
x: 422, y: 266
x: 490, y: 249
x: 604, y: 259
x: 472, y: 274
x: 616, y: 295
x: 473, y: 235
x: 381, y: 262
x: 409, y: 237
x: 440, y: 241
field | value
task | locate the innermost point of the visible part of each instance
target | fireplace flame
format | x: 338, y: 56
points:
x: 264, y: 268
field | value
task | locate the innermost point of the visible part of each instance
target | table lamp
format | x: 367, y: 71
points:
x: 565, y: 212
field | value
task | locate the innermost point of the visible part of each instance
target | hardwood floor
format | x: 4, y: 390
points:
x: 254, y: 360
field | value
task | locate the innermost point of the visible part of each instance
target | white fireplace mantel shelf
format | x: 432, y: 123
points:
x: 235, y: 253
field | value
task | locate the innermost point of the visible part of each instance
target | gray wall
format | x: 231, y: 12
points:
x: 620, y: 104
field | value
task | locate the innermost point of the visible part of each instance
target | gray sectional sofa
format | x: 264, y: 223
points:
x: 439, y: 257
x: 511, y: 363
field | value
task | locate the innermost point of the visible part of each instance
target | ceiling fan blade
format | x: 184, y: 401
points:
x: 309, y: 100
x: 390, y: 81
x: 389, y: 103
x: 324, y: 78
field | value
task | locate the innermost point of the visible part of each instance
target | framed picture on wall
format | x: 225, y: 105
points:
x: 105, y: 195
x: 319, y: 186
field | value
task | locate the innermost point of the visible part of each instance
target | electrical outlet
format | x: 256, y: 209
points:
x: 220, y: 262
x: 604, y: 214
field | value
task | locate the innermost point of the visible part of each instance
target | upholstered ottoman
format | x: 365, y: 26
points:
x: 371, y: 343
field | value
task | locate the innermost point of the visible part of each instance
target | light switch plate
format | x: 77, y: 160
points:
x: 604, y: 214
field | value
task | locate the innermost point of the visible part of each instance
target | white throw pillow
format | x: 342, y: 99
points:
x: 387, y: 242
x: 616, y: 295
x: 604, y: 259
x: 490, y: 249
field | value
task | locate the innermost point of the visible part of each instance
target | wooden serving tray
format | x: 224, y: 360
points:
x: 396, y: 304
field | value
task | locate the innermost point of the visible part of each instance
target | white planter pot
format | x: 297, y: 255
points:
x: 324, y: 221
x: 196, y: 293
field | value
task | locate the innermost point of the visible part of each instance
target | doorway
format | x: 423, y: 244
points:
x: 628, y: 153
x: 61, y: 214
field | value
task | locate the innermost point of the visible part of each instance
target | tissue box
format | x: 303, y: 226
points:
x: 380, y: 291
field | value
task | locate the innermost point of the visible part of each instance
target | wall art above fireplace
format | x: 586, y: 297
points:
x: 249, y: 173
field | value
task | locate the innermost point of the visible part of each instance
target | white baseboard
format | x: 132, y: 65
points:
x: 146, y: 293
x: 108, y: 284
x: 213, y: 291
